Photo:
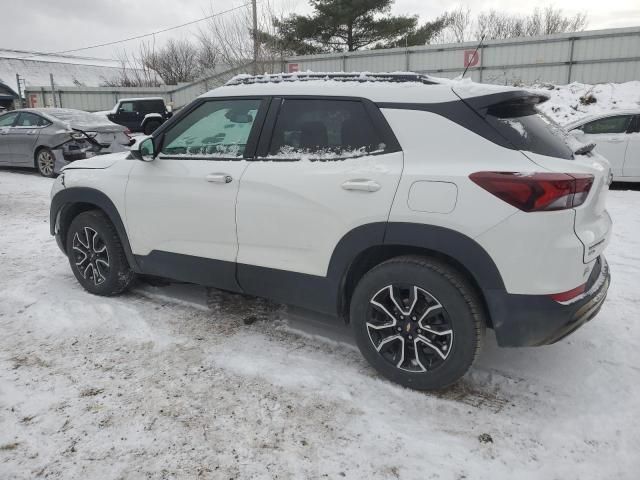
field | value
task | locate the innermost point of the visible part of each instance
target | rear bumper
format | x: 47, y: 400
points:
x: 530, y: 320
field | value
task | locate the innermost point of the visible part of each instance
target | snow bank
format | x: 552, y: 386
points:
x: 565, y: 105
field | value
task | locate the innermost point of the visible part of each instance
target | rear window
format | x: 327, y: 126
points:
x: 151, y: 106
x: 529, y: 130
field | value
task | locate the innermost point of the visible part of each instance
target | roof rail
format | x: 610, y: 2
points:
x: 338, y: 76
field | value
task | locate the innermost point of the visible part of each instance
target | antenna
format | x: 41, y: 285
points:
x: 475, y: 54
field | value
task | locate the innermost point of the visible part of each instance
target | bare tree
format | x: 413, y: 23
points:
x: 495, y: 24
x: 178, y: 61
x: 133, y: 71
x: 230, y: 38
x: 458, y: 26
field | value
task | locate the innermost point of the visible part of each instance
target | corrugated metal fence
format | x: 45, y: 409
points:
x: 589, y: 57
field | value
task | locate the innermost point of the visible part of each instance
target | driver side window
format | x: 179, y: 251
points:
x: 216, y: 129
x: 617, y: 124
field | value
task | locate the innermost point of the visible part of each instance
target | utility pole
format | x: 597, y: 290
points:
x: 53, y: 91
x: 255, y: 36
x: 19, y: 82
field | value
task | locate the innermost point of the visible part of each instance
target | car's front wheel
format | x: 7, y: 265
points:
x: 96, y: 254
x: 417, y: 321
x: 46, y: 162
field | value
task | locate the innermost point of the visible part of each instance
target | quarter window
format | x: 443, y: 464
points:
x: 617, y: 124
x: 215, y: 129
x: 323, y: 130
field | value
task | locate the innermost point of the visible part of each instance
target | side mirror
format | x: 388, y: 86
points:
x: 146, y: 150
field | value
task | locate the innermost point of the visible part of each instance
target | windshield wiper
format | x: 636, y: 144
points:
x: 583, y: 150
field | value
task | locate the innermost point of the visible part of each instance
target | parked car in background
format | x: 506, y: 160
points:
x: 617, y: 137
x: 139, y: 114
x: 50, y: 138
x: 418, y: 212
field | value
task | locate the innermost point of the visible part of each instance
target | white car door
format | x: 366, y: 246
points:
x: 611, y: 139
x: 180, y: 207
x: 327, y: 170
x: 632, y: 157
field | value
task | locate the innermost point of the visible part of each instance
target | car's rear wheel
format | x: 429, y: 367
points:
x: 151, y: 127
x: 96, y: 254
x: 45, y: 162
x: 417, y: 321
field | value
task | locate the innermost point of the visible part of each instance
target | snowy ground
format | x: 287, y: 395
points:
x: 177, y: 382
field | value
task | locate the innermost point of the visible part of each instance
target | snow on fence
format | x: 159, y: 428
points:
x: 597, y: 56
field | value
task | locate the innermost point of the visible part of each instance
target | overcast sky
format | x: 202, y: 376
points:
x: 52, y: 26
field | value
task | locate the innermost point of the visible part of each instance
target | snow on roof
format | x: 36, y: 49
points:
x: 406, y: 87
x: 68, y: 71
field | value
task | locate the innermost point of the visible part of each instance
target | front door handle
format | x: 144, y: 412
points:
x: 219, y: 178
x: 362, y: 185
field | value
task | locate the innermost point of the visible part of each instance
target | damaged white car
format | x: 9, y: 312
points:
x: 50, y: 138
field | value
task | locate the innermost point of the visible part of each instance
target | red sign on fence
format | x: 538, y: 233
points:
x: 294, y: 67
x: 471, y: 58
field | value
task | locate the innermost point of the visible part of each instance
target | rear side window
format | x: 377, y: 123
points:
x: 151, y: 106
x: 323, y: 129
x: 617, y: 124
x: 529, y: 130
x: 31, y: 120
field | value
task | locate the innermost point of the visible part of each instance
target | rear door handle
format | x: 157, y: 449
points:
x: 362, y: 185
x: 219, y: 178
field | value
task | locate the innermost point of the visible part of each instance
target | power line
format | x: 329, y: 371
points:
x: 137, y: 37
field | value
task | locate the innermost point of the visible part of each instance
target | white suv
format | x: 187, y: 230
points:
x: 419, y: 211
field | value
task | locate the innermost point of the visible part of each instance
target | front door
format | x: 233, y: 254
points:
x: 23, y: 136
x: 180, y: 208
x: 327, y: 170
x: 129, y: 116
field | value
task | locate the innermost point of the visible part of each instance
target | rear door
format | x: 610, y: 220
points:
x: 632, y: 156
x: 326, y: 166
x: 6, y: 121
x: 611, y: 139
x: 23, y: 137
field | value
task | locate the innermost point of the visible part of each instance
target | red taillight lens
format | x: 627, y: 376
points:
x: 569, y: 295
x: 534, y: 192
x: 128, y: 133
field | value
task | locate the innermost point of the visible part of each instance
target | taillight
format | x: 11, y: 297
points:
x: 535, y: 192
x: 127, y: 132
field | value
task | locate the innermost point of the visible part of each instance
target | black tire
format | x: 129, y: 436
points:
x: 432, y: 359
x: 45, y: 162
x: 151, y: 126
x: 96, y: 256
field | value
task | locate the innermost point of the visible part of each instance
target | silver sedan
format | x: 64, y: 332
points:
x: 49, y: 138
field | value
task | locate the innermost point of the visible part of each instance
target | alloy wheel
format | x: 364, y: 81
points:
x: 45, y: 163
x: 409, y: 328
x: 90, y: 255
